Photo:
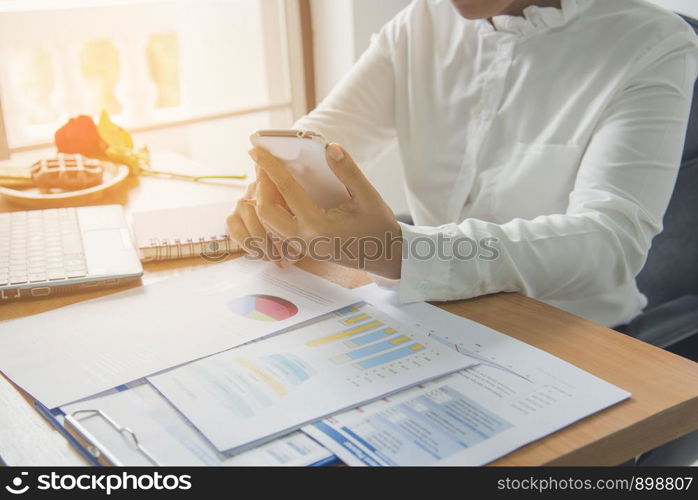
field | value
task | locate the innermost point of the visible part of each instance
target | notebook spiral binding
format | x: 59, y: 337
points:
x: 213, y: 247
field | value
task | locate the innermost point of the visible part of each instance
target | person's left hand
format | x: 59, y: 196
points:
x: 361, y: 233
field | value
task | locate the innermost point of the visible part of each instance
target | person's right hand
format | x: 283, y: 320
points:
x: 246, y: 229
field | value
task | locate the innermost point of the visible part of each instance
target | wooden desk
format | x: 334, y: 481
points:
x: 664, y: 387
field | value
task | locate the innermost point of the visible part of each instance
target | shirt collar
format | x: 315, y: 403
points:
x: 535, y: 19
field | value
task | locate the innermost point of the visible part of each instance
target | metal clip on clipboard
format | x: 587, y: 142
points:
x: 73, y: 424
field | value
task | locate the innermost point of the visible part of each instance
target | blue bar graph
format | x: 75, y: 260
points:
x: 371, y: 349
x: 389, y: 356
x: 371, y: 337
x: 347, y: 311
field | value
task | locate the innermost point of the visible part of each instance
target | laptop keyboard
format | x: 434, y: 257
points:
x: 40, y: 245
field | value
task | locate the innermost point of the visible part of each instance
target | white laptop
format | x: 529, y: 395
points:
x: 62, y: 250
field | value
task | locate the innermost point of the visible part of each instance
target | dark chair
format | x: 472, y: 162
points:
x: 669, y: 278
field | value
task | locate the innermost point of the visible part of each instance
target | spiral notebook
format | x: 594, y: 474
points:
x: 177, y: 233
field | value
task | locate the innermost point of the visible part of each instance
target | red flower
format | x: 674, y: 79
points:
x: 80, y: 135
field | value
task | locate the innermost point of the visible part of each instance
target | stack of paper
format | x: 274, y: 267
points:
x: 84, y: 349
x: 513, y: 396
x: 172, y: 441
x: 246, y: 396
x: 375, y: 383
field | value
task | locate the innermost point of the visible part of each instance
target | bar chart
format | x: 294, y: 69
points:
x: 241, y: 397
x: 367, y: 342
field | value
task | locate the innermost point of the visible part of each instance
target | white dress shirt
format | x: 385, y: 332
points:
x: 553, y: 138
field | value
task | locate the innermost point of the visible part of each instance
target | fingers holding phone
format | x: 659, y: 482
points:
x: 246, y: 229
x: 357, y: 230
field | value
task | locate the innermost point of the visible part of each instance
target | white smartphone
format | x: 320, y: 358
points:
x: 303, y: 153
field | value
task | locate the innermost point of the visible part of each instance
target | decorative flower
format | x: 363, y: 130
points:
x: 120, y: 146
x: 108, y: 141
x: 80, y: 135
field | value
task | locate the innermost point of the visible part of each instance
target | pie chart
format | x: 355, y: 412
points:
x: 263, y: 307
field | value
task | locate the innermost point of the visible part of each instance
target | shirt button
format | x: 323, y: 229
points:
x: 503, y: 50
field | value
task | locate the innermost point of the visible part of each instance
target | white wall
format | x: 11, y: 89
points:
x: 688, y: 7
x: 333, y: 37
x: 342, y: 30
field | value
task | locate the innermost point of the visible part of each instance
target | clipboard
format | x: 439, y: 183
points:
x: 75, y: 427
x: 102, y: 455
x: 56, y: 419
x: 83, y: 442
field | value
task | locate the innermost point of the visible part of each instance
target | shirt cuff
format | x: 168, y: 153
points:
x: 438, y: 264
x: 424, y: 269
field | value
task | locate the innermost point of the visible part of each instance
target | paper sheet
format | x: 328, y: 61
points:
x: 172, y: 441
x: 241, y: 397
x: 80, y: 350
x: 517, y: 394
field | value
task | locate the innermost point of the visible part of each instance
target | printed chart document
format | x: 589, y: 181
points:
x: 516, y: 394
x: 259, y: 391
x: 81, y: 350
x: 172, y: 441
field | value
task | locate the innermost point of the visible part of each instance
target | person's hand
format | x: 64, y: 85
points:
x: 245, y: 228
x: 361, y: 233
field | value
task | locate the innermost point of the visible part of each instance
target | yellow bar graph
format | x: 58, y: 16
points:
x: 345, y: 333
x: 399, y: 340
x: 356, y: 319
